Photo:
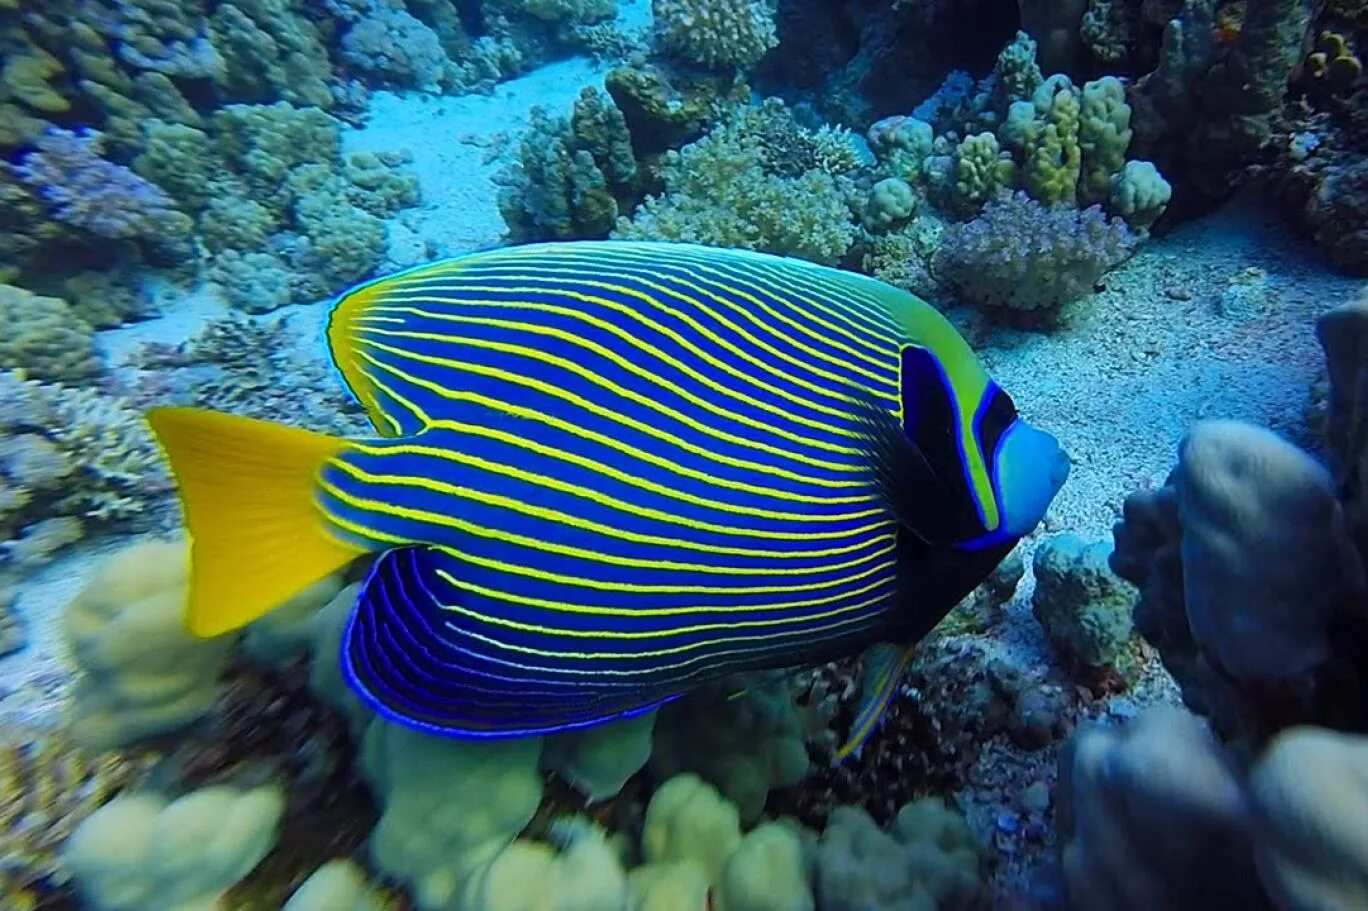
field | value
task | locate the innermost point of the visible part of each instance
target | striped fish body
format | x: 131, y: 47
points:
x: 611, y: 472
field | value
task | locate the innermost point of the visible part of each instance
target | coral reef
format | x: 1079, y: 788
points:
x: 573, y: 177
x: 283, y: 216
x: 71, y: 460
x: 1022, y: 255
x: 719, y: 34
x: 236, y: 364
x: 1084, y: 609
x: 1250, y: 564
x: 48, y: 786
x: 730, y: 188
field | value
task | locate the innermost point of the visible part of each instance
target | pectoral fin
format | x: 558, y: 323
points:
x: 884, y: 665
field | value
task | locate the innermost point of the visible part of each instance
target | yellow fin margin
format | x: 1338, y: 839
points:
x: 342, y: 345
x: 247, y: 489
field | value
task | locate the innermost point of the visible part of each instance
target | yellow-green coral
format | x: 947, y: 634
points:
x: 1334, y: 63
x: 143, y: 850
x: 141, y: 673
x: 981, y: 171
x: 1104, y: 134
x: 721, y: 34
x: 27, y: 79
x: 1053, y: 160
x: 43, y: 337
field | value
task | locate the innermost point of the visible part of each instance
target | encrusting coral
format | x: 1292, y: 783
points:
x: 1084, y: 608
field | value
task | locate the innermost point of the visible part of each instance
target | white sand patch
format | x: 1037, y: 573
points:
x: 184, y: 313
x: 459, y: 143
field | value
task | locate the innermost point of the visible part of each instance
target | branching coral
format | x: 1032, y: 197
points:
x: 71, y: 458
x: 722, y: 34
x: 1025, y: 256
x: 573, y: 176
x: 723, y: 191
x: 235, y: 365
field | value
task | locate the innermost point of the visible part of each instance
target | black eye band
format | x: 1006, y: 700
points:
x: 993, y: 422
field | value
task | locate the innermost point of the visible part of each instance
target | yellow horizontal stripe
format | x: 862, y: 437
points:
x: 684, y: 317
x: 440, y: 520
x: 657, y: 634
x: 594, y: 408
x: 639, y: 588
x: 734, y: 275
x: 774, y: 351
x: 385, y: 539
x: 551, y: 515
x: 382, y: 314
x: 565, y: 607
x: 702, y: 665
x: 543, y: 480
x: 632, y: 395
x: 606, y: 441
x: 860, y: 312
x: 660, y: 652
x: 411, y: 290
x: 404, y: 402
x: 845, y: 304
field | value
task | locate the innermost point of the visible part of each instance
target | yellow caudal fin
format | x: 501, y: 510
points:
x: 247, y: 489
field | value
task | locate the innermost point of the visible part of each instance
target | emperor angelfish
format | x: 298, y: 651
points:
x: 605, y: 473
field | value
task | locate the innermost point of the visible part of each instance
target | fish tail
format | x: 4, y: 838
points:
x: 247, y: 490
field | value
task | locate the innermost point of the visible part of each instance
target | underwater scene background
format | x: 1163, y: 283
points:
x: 1147, y: 218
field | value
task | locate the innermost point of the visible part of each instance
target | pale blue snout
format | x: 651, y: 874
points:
x: 1029, y: 468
